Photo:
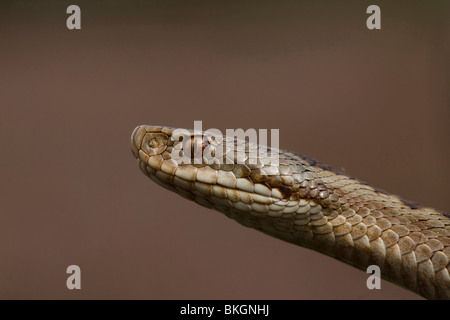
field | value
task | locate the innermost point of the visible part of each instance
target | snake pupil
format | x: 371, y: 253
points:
x: 197, y: 147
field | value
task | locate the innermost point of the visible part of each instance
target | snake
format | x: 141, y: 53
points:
x: 297, y: 199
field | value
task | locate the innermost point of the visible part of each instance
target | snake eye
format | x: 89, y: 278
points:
x: 197, y: 147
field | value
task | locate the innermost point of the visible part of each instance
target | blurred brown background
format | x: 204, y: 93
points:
x: 375, y: 103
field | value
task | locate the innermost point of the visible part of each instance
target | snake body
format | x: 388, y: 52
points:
x: 306, y: 203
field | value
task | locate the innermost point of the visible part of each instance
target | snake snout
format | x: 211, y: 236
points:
x: 136, y: 140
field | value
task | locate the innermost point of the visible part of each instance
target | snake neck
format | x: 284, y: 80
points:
x: 362, y: 226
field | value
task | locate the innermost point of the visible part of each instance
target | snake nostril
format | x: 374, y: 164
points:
x: 153, y: 143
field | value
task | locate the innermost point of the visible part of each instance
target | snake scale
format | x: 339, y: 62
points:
x: 304, y: 202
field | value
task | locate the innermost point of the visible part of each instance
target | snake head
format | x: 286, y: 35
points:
x: 228, y: 174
